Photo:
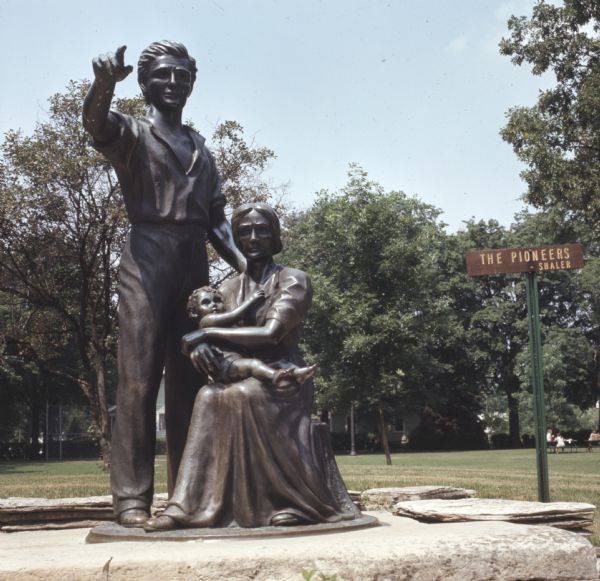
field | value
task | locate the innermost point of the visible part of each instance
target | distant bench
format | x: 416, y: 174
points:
x: 592, y: 444
x: 574, y: 446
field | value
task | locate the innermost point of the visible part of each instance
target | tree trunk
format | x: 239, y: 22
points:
x: 514, y: 429
x: 105, y: 451
x: 383, y: 433
x: 35, y: 431
x: 99, y: 417
x: 598, y: 404
x: 101, y: 437
x: 104, y: 439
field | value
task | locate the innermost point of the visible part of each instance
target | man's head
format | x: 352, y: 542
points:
x: 204, y: 301
x: 166, y: 74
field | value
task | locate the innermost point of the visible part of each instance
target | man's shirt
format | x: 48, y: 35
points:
x: 156, y: 187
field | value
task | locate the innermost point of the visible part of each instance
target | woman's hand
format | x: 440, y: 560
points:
x: 190, y: 340
x: 205, y: 360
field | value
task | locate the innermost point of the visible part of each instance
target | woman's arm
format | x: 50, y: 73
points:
x: 196, y: 347
x: 270, y: 334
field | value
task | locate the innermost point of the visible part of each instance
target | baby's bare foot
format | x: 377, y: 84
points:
x: 302, y: 374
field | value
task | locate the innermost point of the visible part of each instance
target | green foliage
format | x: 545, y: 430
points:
x: 559, y: 138
x: 241, y: 165
x: 568, y: 374
x: 62, y: 227
x: 383, y: 326
x: 309, y: 575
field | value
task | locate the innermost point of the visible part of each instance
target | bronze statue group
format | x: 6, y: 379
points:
x: 238, y: 394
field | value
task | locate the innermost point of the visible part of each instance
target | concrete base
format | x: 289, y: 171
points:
x: 400, y: 549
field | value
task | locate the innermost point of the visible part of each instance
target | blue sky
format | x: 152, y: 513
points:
x: 415, y: 92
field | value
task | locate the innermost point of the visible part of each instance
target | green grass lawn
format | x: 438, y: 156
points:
x: 491, y: 473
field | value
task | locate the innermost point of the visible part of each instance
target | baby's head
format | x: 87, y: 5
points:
x: 204, y: 301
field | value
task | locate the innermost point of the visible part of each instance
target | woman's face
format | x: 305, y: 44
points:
x: 255, y: 236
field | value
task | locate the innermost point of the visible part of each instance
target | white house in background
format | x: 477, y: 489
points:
x: 402, y: 423
x: 160, y: 412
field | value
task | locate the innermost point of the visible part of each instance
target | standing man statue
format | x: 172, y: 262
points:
x: 172, y: 194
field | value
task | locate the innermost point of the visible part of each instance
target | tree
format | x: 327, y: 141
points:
x: 31, y: 345
x: 559, y: 137
x: 381, y: 327
x: 62, y: 227
x: 494, y: 310
x: 499, y: 336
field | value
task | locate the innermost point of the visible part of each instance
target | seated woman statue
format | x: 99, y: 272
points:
x: 249, y: 460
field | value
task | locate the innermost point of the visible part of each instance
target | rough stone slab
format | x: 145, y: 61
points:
x: 52, y: 526
x: 13, y: 503
x: 57, y: 512
x: 403, y: 550
x: 562, y: 514
x: 421, y: 492
x: 377, y: 498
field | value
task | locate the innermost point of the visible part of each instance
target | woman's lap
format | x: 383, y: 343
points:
x: 248, y: 457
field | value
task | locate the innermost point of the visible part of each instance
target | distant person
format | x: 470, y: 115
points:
x: 549, y: 436
x: 594, y: 437
x: 560, y: 442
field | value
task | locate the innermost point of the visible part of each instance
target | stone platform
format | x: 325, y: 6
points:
x: 400, y: 549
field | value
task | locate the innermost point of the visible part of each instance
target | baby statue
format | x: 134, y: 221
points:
x: 206, y: 303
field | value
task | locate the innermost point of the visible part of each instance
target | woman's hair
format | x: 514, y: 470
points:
x: 162, y: 48
x: 268, y: 212
x: 192, y: 301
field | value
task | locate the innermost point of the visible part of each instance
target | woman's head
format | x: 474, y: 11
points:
x: 251, y: 219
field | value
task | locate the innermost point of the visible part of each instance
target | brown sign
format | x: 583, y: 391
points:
x: 527, y: 259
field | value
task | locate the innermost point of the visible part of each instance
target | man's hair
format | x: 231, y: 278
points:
x: 268, y: 212
x: 192, y: 301
x: 162, y: 48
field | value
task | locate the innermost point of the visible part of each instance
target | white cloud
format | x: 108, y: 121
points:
x: 459, y: 44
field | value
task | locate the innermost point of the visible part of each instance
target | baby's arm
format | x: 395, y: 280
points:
x: 228, y: 319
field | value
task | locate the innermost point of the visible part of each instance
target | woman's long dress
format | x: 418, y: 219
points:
x: 249, y: 454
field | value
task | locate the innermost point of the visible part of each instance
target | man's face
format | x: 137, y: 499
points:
x: 255, y: 236
x: 169, y: 83
x: 209, y: 303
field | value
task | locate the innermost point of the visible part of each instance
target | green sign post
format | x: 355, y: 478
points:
x: 537, y: 380
x: 530, y: 261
